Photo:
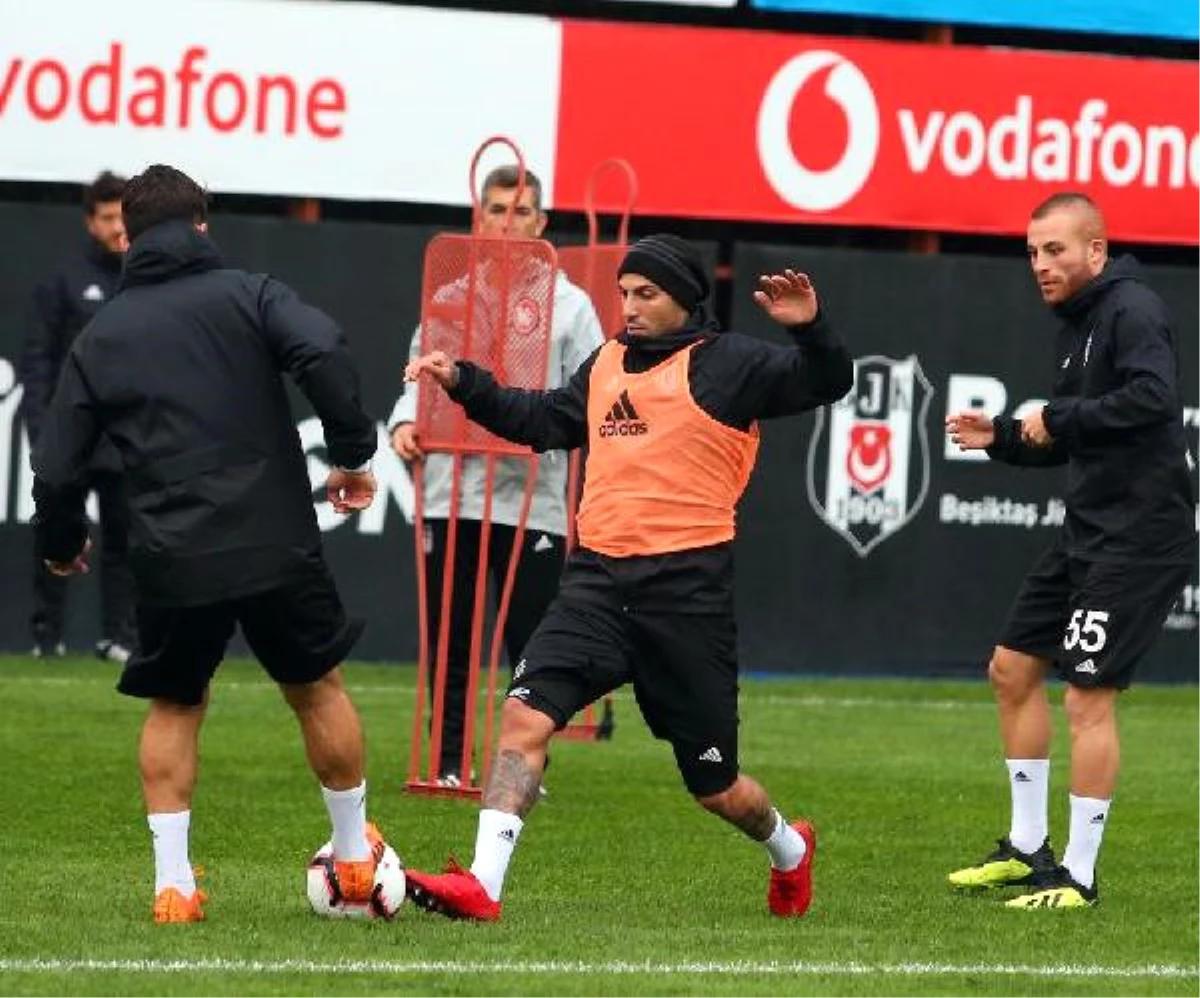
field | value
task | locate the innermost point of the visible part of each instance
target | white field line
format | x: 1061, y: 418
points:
x: 399, y: 967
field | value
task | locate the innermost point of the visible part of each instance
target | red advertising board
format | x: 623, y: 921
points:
x: 755, y: 125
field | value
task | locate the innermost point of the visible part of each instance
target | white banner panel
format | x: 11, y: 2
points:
x: 260, y: 96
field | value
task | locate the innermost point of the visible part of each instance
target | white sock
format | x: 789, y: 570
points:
x: 348, y: 815
x: 494, y: 844
x: 1089, y: 815
x: 785, y: 845
x: 172, y: 868
x: 1029, y: 781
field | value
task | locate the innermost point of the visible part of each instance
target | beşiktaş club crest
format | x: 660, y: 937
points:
x: 868, y: 460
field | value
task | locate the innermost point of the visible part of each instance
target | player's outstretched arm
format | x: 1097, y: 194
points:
x: 544, y: 420
x: 1005, y: 439
x: 815, y: 370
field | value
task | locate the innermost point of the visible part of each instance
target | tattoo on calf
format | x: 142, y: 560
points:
x: 759, y: 822
x: 513, y: 785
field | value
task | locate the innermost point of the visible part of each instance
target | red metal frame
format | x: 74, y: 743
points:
x: 456, y: 444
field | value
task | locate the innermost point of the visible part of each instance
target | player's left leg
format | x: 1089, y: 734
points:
x: 688, y: 695
x: 1095, y: 759
x: 791, y: 847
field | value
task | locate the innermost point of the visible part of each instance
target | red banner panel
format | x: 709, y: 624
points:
x: 776, y: 127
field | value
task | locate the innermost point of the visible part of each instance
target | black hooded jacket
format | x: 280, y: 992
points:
x: 65, y: 303
x: 1116, y: 418
x: 181, y: 371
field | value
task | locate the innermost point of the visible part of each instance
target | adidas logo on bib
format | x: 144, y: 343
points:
x: 622, y: 420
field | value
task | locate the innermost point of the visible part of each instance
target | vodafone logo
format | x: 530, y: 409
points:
x: 811, y: 189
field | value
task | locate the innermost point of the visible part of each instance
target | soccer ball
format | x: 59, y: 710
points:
x: 325, y: 895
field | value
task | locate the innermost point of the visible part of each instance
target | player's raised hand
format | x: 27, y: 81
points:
x: 437, y: 365
x: 350, y: 491
x: 971, y: 430
x: 788, y: 298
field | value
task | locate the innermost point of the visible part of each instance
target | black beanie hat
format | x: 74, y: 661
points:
x: 671, y: 263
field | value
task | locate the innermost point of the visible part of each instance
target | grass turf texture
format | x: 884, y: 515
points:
x: 621, y: 884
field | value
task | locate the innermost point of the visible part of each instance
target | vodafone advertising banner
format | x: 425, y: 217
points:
x: 379, y: 102
x: 739, y: 124
x: 318, y: 99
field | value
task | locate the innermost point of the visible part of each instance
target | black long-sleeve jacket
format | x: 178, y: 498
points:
x: 64, y: 303
x: 181, y: 371
x: 1116, y: 420
x: 735, y: 379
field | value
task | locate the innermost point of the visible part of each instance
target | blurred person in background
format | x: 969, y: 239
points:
x: 574, y: 335
x: 65, y: 303
x: 1095, y: 601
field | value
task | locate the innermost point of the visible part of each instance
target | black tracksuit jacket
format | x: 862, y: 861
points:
x: 1117, y: 422
x: 181, y: 371
x: 65, y: 303
x: 735, y: 379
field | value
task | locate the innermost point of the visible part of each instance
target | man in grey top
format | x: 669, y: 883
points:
x: 575, y: 334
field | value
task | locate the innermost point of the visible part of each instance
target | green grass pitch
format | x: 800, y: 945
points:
x: 621, y: 885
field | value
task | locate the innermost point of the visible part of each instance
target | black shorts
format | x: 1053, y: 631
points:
x: 683, y: 666
x: 1095, y: 620
x: 298, y: 631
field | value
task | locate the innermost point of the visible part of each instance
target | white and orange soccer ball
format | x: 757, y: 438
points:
x: 325, y: 895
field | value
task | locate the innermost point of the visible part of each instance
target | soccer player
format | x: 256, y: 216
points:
x: 1096, y: 600
x: 669, y: 414
x: 574, y: 335
x: 181, y: 371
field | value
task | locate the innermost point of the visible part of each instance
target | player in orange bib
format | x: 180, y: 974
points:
x: 669, y: 412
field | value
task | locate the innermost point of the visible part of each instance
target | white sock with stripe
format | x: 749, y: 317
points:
x: 1089, y: 816
x: 348, y: 815
x: 495, y: 841
x: 1029, y: 782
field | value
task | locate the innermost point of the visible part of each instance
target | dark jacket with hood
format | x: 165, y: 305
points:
x: 735, y: 379
x: 1116, y: 418
x: 65, y: 303
x: 182, y: 372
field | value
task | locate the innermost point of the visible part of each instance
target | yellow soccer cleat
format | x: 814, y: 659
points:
x: 1059, y: 890
x: 1006, y: 867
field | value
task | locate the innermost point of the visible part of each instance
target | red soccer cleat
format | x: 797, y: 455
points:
x: 790, y: 891
x: 456, y: 894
